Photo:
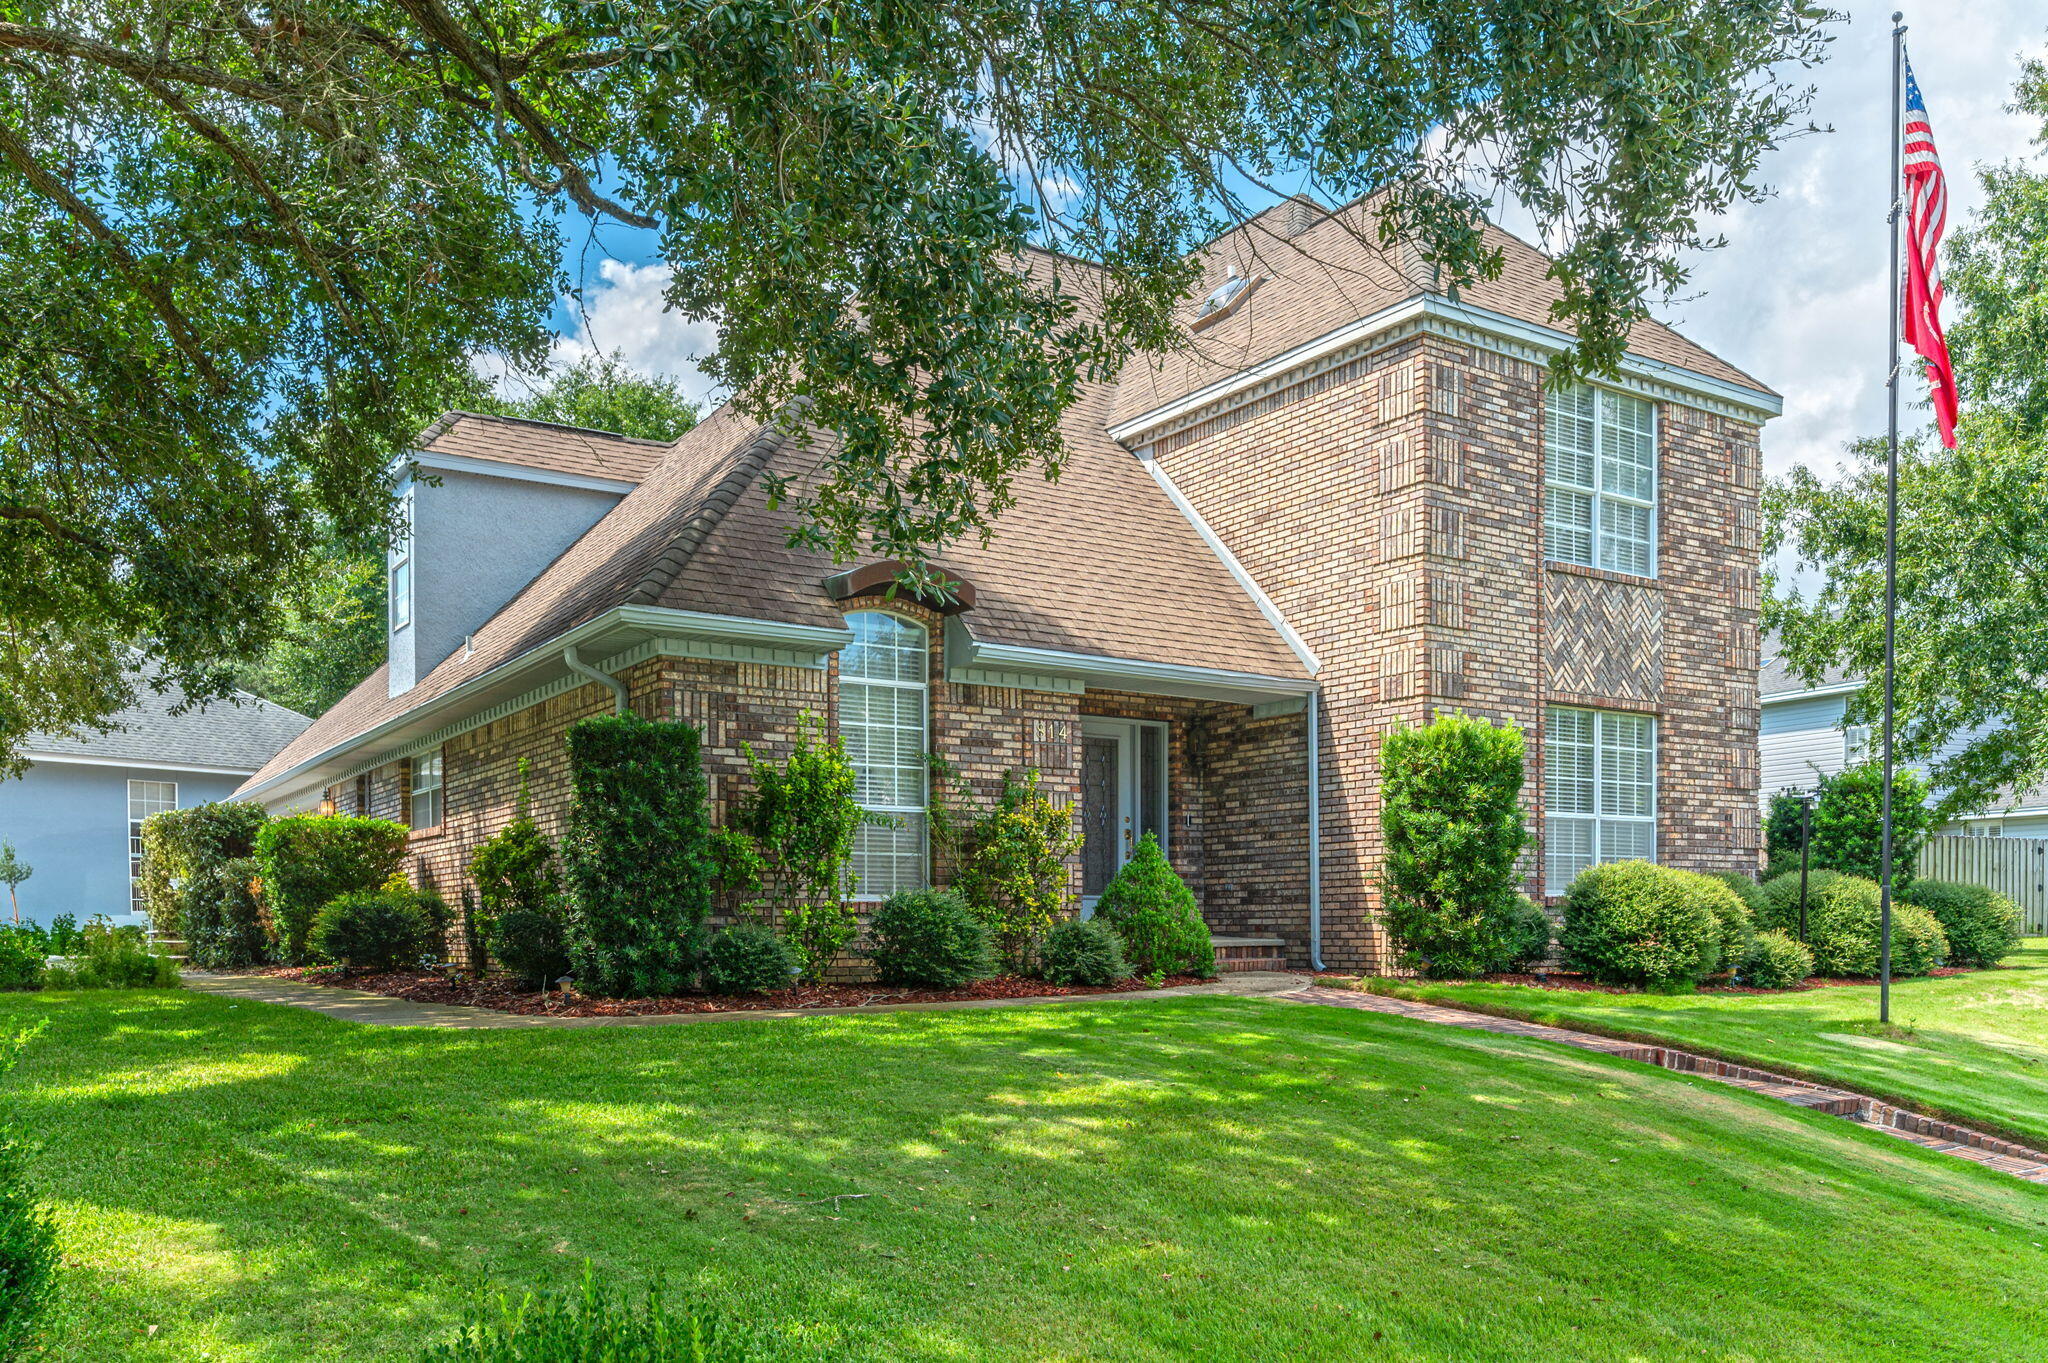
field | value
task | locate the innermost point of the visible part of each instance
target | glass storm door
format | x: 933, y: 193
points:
x: 1123, y: 797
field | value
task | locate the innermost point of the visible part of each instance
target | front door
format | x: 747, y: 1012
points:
x: 1123, y: 797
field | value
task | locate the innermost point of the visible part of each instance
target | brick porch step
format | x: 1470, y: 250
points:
x: 1236, y: 954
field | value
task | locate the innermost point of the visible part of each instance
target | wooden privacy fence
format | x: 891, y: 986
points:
x: 2015, y: 867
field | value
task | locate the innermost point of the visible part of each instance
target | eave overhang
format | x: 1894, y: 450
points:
x: 971, y: 660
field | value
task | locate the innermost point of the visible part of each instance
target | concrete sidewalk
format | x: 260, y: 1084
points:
x: 356, y: 1005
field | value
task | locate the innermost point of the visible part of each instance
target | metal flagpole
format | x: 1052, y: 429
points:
x: 1891, y: 521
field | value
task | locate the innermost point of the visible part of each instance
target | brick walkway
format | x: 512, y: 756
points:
x: 1945, y: 1137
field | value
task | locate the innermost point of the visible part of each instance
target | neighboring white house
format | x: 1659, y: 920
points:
x: 1802, y: 738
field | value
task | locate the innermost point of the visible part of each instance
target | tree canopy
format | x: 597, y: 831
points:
x: 1972, y: 616
x: 241, y: 245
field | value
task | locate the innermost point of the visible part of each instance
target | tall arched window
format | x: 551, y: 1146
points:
x: 882, y: 692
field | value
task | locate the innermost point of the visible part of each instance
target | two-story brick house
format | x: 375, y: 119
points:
x: 1351, y: 503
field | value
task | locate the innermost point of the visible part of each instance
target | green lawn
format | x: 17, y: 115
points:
x: 1972, y: 1047
x: 1208, y: 1178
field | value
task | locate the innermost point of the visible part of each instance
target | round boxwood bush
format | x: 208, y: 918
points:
x: 1983, y: 926
x: 747, y: 958
x: 929, y: 937
x: 1526, y: 940
x: 1736, y: 915
x: 1775, y: 960
x: 532, y: 945
x: 1842, y: 926
x: 1078, y: 952
x: 1154, y: 912
x: 1631, y: 922
x: 380, y: 929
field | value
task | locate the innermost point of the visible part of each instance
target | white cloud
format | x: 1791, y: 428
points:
x: 623, y: 310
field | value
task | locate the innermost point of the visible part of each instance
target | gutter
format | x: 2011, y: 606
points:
x: 575, y: 664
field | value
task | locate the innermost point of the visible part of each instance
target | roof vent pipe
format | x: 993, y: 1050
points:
x: 583, y: 669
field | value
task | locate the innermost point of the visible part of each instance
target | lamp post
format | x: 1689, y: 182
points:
x: 1805, y: 855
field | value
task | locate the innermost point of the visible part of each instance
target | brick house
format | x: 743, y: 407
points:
x: 1350, y: 503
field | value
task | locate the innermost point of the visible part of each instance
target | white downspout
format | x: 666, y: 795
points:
x: 1315, y: 830
x: 583, y: 669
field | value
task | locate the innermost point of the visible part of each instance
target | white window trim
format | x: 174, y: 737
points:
x: 135, y: 905
x: 400, y: 556
x: 924, y: 688
x: 1600, y: 497
x: 1599, y: 777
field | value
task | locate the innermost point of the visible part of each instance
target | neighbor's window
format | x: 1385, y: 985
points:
x: 1599, y: 792
x: 882, y: 722
x: 1600, y: 480
x: 400, y: 584
x: 426, y: 791
x: 144, y: 799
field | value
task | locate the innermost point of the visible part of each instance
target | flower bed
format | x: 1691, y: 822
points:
x: 505, y: 996
x: 1572, y: 981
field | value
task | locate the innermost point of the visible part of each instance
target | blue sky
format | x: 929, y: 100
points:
x: 1797, y: 297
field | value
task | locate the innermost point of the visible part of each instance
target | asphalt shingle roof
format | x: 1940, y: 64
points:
x: 239, y: 734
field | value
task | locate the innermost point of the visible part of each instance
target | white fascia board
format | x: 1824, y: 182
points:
x: 1100, y: 673
x: 1459, y: 321
x: 492, y: 468
x: 651, y: 622
x: 136, y: 763
x: 1831, y: 689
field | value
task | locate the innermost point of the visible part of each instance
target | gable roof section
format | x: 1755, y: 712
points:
x: 1777, y: 681
x: 542, y: 445
x: 1335, y: 273
x: 237, y: 734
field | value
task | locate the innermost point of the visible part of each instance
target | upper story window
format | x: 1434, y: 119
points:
x: 423, y: 804
x: 399, y: 567
x: 882, y: 696
x: 1600, y: 480
x: 144, y: 799
x: 1599, y: 791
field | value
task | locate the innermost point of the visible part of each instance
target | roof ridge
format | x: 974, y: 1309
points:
x: 749, y: 459
x: 443, y: 423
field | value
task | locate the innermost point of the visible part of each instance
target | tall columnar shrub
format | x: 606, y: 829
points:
x: 1983, y: 927
x: 1154, y: 912
x: 515, y: 870
x: 637, y: 858
x: 1452, y: 818
x: 1848, y: 825
x: 1631, y: 922
x: 801, y: 818
x: 182, y: 853
x: 1013, y: 867
x: 309, y: 860
x: 1844, y: 925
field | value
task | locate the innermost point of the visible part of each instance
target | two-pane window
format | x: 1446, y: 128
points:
x: 882, y: 696
x: 1599, y: 791
x: 144, y: 799
x: 399, y: 585
x: 1600, y: 480
x: 424, y: 803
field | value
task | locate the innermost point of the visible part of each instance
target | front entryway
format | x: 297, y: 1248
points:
x: 1123, y: 797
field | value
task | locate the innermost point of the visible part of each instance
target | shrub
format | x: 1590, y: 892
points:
x: 1631, y: 922
x: 1775, y: 960
x: 1154, y: 912
x: 182, y: 853
x: 801, y: 818
x: 21, y: 959
x: 1452, y: 819
x: 382, y: 929
x: 929, y: 937
x: 1013, y: 866
x: 14, y: 872
x: 1782, y: 827
x: 748, y: 958
x: 594, y: 1324
x: 1983, y: 927
x: 1526, y: 942
x: 530, y: 944
x: 28, y: 1240
x: 1736, y: 914
x: 107, y: 957
x: 514, y: 870
x: 637, y: 857
x: 310, y: 860
x: 1848, y: 828
x: 1077, y: 952
x: 225, y: 924
x: 63, y: 938
x: 1843, y: 926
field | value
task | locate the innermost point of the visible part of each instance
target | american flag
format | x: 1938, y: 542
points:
x: 1926, y: 215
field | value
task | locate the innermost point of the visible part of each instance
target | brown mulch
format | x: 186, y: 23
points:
x: 504, y: 996
x: 1571, y: 981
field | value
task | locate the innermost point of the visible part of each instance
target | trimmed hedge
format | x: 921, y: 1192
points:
x: 1631, y: 922
x: 1775, y: 960
x: 182, y: 853
x: 226, y: 926
x: 1154, y: 912
x: 1983, y: 926
x: 748, y: 958
x: 637, y: 857
x: 310, y: 860
x: 381, y: 929
x: 1737, y: 916
x: 1843, y: 925
x: 929, y: 937
x: 1077, y: 952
